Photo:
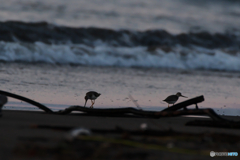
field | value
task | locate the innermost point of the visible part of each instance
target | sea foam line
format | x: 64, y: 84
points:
x: 103, y: 55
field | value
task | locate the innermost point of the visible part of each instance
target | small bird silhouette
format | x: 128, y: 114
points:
x: 173, y: 98
x: 92, y: 95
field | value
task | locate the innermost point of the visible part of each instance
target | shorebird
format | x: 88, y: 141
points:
x: 173, y: 98
x: 92, y: 95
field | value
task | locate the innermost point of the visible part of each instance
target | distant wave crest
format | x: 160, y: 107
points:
x: 13, y: 31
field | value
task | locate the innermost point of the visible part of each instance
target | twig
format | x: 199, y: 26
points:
x: 134, y: 101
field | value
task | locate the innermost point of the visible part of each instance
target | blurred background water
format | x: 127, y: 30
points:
x: 174, y: 16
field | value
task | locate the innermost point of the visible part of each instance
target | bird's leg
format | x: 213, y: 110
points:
x: 92, y: 104
x: 196, y: 106
x: 85, y: 103
x: 168, y: 105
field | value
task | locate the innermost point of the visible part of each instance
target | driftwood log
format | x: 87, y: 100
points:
x: 185, y: 104
x: 39, y: 105
x: 119, y: 111
x: 173, y: 111
x: 150, y: 114
x: 3, y: 100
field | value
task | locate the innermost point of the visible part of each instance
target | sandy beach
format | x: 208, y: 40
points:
x: 59, y: 86
x: 34, y: 135
x: 135, y: 54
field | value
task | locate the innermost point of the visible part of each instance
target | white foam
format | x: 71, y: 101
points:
x: 104, y: 55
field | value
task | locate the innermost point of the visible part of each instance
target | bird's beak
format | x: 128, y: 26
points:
x: 184, y: 96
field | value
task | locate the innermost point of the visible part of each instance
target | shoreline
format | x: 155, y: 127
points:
x: 57, y: 107
x: 66, y: 85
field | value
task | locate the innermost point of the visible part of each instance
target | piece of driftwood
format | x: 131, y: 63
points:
x: 168, y: 112
x: 39, y: 105
x: 3, y: 100
x: 208, y: 112
x: 108, y: 111
x: 130, y: 109
x: 150, y: 114
x: 104, y: 111
x: 185, y: 104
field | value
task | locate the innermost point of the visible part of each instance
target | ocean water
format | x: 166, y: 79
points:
x: 181, y: 36
x: 175, y: 16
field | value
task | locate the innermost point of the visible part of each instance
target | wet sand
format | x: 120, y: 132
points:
x: 21, y: 137
x: 59, y: 86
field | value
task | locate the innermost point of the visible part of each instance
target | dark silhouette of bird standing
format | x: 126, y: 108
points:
x: 173, y: 98
x: 92, y: 95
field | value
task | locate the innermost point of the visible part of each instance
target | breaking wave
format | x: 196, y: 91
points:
x: 47, y: 43
x: 102, y: 54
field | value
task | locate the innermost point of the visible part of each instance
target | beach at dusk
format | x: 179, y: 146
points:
x: 134, y: 53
